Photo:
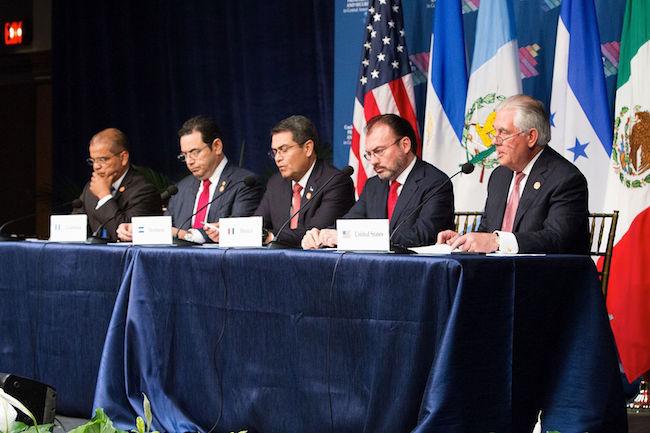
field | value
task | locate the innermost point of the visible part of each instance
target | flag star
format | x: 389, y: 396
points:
x: 381, y: 57
x: 373, y: 33
x: 386, y: 40
x: 369, y: 27
x: 367, y: 45
x: 402, y: 32
x: 552, y: 120
x: 395, y: 64
x: 377, y: 17
x: 395, y: 8
x: 391, y: 24
x: 365, y: 62
x: 382, y: 2
x: 374, y: 73
x: 363, y: 80
x: 579, y: 150
x: 400, y: 48
x: 371, y: 10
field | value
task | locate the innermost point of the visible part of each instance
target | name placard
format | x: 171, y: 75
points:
x: 363, y: 235
x: 68, y: 228
x: 240, y: 232
x: 152, y: 230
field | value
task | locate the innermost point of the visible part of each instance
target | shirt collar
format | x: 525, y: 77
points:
x: 118, y: 182
x: 530, y: 164
x: 303, y: 180
x: 405, y: 173
x: 216, y: 174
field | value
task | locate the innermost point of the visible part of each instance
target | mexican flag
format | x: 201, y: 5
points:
x: 628, y: 190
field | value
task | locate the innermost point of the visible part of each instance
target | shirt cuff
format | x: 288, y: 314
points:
x: 507, y: 242
x: 193, y: 235
x: 103, y: 200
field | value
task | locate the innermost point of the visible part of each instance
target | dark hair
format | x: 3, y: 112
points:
x: 300, y: 127
x: 400, y: 127
x: 203, y: 124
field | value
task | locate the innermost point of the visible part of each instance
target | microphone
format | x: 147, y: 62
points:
x: 170, y: 191
x: 76, y: 203
x: 465, y: 168
x: 347, y: 171
x: 249, y: 181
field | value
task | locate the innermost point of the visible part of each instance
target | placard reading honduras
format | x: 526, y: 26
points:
x: 152, y: 230
x: 363, y: 235
x: 68, y: 228
x: 240, y: 232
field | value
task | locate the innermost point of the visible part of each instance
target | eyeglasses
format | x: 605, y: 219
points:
x: 282, y: 150
x: 192, y: 154
x: 499, y: 140
x: 379, y: 152
x: 102, y: 159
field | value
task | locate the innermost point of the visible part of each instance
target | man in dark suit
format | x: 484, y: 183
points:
x: 116, y: 191
x: 212, y: 178
x: 403, y: 182
x: 294, y: 144
x: 537, y: 200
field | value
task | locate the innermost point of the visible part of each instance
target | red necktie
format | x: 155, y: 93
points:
x: 513, y: 203
x: 295, y: 205
x: 392, y: 198
x: 204, y: 198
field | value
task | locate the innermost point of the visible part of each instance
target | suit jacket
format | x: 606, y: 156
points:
x: 237, y: 200
x: 423, y: 226
x: 135, y: 197
x: 552, y: 216
x: 335, y: 200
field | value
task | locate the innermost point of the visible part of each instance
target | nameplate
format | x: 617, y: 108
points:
x: 240, y: 232
x: 68, y: 228
x: 151, y: 230
x: 363, y: 235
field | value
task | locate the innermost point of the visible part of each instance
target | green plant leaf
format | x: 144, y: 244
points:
x: 148, y: 416
x: 100, y: 423
x: 139, y: 424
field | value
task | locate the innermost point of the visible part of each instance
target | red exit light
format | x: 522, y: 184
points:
x: 14, y: 33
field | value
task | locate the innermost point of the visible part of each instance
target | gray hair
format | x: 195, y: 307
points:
x: 529, y: 113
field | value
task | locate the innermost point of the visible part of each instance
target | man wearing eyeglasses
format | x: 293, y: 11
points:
x: 537, y: 200
x: 294, y: 144
x: 402, y: 183
x: 116, y: 191
x: 214, y: 190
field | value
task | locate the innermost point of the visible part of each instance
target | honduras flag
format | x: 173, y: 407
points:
x: 581, y: 126
x: 495, y: 75
x: 446, y: 89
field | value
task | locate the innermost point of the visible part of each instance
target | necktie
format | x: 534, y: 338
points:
x: 392, y: 198
x: 204, y: 198
x: 295, y: 205
x: 513, y: 203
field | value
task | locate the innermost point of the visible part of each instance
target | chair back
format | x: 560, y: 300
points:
x: 602, y: 229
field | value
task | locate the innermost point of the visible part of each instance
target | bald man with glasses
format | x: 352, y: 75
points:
x: 116, y: 190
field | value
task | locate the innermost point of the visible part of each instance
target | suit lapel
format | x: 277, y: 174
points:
x: 189, y: 200
x: 223, y: 183
x: 409, y: 190
x: 533, y: 187
x: 313, y: 183
x: 124, y: 186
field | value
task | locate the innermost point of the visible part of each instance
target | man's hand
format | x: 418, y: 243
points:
x: 212, y: 230
x: 310, y: 241
x: 446, y: 237
x: 124, y: 232
x: 477, y: 242
x: 327, y: 238
x: 100, y: 186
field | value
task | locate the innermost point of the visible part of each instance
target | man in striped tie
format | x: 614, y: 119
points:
x: 537, y: 200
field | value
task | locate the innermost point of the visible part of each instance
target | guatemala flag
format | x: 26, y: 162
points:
x: 446, y: 90
x: 581, y: 127
x: 495, y: 75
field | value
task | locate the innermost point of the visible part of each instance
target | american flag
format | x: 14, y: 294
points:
x: 385, y: 80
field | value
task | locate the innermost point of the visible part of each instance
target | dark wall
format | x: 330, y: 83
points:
x: 146, y: 66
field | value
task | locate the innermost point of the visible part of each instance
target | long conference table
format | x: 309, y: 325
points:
x: 295, y: 341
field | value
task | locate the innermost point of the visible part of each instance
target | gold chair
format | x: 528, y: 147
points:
x: 466, y: 222
x: 602, y: 226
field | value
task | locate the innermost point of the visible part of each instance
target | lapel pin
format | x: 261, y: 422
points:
x: 308, y: 195
x: 122, y: 188
x: 223, y: 186
x: 537, y: 185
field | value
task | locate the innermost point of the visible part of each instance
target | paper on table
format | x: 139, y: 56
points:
x: 432, y: 249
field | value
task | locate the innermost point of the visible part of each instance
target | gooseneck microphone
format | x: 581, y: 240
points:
x: 276, y: 243
x: 249, y: 181
x: 76, y: 203
x: 96, y: 239
x: 466, y: 168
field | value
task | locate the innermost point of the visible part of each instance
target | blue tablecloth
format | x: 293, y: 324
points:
x: 292, y: 341
x: 56, y: 301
